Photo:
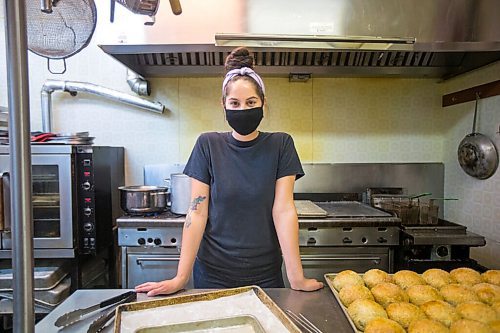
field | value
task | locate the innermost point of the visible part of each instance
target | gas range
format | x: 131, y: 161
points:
x: 349, y: 235
x: 348, y: 223
x: 159, y: 230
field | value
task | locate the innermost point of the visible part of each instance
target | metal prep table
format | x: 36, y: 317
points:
x: 320, y: 307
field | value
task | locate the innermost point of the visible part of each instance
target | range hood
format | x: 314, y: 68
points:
x: 319, y: 38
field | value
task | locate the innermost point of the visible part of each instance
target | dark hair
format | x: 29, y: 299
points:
x: 239, y: 58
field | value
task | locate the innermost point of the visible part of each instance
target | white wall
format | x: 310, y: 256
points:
x: 479, y: 205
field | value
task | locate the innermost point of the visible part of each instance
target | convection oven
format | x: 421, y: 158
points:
x: 75, y: 198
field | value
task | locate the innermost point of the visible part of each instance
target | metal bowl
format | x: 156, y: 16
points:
x: 142, y: 200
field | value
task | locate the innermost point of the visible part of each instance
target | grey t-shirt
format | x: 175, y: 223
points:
x: 240, y: 239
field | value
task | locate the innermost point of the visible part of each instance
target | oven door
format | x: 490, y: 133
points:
x: 52, y: 201
x: 144, y: 267
x: 318, y: 261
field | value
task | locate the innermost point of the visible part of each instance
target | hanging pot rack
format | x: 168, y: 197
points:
x: 467, y: 95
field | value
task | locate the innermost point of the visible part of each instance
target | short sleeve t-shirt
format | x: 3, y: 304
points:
x: 240, y: 238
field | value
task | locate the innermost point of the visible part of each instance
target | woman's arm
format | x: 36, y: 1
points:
x: 196, y: 220
x: 287, y: 228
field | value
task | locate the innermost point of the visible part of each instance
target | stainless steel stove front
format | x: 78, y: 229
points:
x: 328, y: 235
x: 150, y: 247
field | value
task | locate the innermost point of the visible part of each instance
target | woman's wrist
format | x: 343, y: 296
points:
x: 181, y: 279
x: 296, y: 280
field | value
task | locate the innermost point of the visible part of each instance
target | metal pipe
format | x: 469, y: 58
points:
x: 73, y: 87
x: 138, y: 84
x: 20, y: 164
x: 46, y: 100
x: 46, y: 6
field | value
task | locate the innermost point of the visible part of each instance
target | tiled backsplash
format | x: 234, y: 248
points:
x: 337, y: 120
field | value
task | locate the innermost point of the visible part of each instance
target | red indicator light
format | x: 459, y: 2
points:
x: 88, y: 200
x: 86, y: 173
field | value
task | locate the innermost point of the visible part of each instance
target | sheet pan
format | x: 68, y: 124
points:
x: 206, y: 296
x: 329, y: 280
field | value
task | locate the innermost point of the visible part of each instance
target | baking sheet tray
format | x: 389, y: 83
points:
x: 242, y: 324
x: 329, y: 280
x: 47, y: 274
x: 207, y: 296
x: 306, y: 208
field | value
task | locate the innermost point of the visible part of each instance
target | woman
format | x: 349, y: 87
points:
x: 242, y: 209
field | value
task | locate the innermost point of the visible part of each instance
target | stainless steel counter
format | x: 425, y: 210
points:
x: 320, y: 307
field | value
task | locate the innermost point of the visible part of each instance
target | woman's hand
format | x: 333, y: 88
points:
x: 160, y: 288
x: 306, y: 284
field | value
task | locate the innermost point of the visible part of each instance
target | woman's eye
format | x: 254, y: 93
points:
x: 251, y: 103
x: 234, y: 104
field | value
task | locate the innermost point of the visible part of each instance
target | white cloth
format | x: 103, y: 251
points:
x: 244, y: 71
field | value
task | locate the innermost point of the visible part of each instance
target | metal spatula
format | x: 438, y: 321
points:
x: 72, y: 317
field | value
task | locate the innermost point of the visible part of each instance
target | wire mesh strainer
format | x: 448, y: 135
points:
x: 62, y: 33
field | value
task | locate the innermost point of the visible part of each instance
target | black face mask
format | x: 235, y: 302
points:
x: 246, y: 121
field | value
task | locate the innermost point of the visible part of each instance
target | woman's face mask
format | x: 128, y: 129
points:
x: 246, y: 121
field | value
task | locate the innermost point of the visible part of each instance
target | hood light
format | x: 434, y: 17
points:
x: 314, y: 41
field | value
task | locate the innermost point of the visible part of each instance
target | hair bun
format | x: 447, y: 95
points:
x: 238, y: 58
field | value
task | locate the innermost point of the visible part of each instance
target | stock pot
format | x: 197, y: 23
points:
x: 180, y: 193
x: 140, y: 200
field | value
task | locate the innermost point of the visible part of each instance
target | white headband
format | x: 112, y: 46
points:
x: 244, y: 71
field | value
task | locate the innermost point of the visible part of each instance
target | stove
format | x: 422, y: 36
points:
x: 159, y: 230
x: 444, y: 245
x: 150, y: 247
x: 348, y: 223
x: 342, y: 235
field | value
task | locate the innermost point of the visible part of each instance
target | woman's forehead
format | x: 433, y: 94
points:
x: 241, y: 88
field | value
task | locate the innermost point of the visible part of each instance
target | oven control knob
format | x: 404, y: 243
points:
x: 88, y: 227
x: 346, y: 240
x: 141, y: 241
x: 408, y: 242
x: 87, y: 211
x: 157, y: 241
x: 381, y: 240
x: 86, y: 186
x: 442, y: 251
x: 311, y: 241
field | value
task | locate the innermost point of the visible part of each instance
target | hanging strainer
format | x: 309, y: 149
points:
x: 62, y: 33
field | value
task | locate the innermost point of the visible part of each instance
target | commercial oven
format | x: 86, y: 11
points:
x: 75, y: 198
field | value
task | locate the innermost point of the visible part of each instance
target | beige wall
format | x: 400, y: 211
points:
x: 331, y: 120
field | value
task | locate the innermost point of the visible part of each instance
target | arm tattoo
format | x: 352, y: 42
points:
x: 194, y: 206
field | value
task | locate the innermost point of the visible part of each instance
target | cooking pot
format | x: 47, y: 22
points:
x: 180, y: 193
x: 143, y: 200
x: 477, y: 154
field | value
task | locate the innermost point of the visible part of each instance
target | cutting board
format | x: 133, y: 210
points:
x: 306, y: 208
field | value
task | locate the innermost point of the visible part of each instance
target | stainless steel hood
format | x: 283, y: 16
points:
x: 319, y: 38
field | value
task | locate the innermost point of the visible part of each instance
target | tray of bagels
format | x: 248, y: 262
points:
x: 462, y: 300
